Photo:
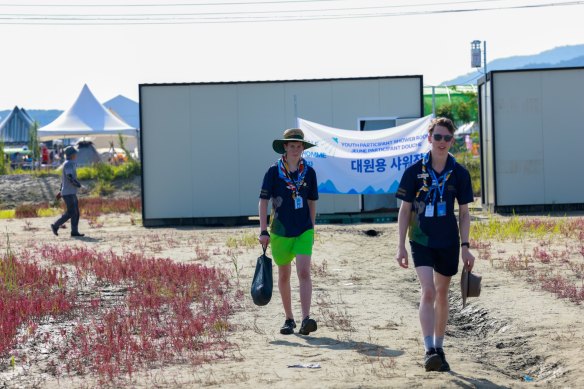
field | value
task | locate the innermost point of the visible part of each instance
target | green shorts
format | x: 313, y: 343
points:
x: 285, y: 249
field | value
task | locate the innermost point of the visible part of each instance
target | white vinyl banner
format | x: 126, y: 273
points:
x: 363, y: 162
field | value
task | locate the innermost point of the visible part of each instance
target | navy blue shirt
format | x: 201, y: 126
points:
x: 286, y: 220
x: 436, y: 231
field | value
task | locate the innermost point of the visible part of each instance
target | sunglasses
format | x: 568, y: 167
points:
x: 438, y: 137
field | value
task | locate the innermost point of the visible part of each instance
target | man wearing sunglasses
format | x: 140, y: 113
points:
x: 428, y: 190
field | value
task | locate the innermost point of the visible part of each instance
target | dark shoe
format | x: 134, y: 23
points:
x: 55, y: 229
x: 74, y: 234
x: 288, y: 327
x: 308, y: 325
x: 445, y: 366
x: 432, y: 360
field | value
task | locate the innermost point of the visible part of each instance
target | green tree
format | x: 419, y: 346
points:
x: 33, y: 143
x: 123, y: 147
x: 463, y: 111
x: 446, y: 110
x: 461, y: 107
x: 472, y: 101
x: 3, y: 166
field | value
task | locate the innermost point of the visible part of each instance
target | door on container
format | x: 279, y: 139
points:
x: 377, y: 202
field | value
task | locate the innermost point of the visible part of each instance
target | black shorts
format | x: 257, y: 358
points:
x: 442, y: 260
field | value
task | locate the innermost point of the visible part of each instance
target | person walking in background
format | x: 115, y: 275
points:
x: 428, y: 190
x: 291, y: 185
x: 69, y: 187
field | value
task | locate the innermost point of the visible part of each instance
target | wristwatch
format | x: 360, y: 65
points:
x: 265, y: 233
x: 465, y: 244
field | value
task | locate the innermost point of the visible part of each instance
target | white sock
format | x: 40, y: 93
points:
x: 438, y: 341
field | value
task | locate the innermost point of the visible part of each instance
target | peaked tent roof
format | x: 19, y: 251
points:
x: 465, y: 129
x: 125, y: 108
x: 15, y: 128
x: 86, y: 117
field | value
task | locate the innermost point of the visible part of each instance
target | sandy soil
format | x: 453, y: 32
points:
x: 366, y: 308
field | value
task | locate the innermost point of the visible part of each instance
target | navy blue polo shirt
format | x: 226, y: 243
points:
x: 436, y: 231
x: 286, y: 220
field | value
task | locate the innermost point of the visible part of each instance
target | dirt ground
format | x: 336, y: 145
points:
x: 17, y: 189
x: 513, y: 335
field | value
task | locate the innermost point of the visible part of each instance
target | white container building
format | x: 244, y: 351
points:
x: 531, y: 139
x: 206, y: 146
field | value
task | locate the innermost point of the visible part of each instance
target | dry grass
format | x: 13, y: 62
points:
x: 551, y: 252
x: 334, y: 314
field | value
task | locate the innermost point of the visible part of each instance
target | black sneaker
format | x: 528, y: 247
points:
x: 75, y: 234
x: 432, y: 360
x: 288, y: 327
x: 445, y: 366
x: 55, y: 229
x: 308, y: 325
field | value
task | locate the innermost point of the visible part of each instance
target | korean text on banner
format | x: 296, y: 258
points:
x: 364, y: 162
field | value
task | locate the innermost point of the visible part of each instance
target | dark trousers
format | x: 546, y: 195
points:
x: 72, y: 213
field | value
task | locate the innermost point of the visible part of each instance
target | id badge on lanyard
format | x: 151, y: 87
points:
x: 429, y: 210
x: 298, y: 202
x: 439, y: 186
x: 441, y: 208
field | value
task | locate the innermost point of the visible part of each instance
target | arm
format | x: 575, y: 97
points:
x: 73, y: 181
x: 312, y: 209
x: 464, y: 226
x: 263, y: 212
x: 403, y: 220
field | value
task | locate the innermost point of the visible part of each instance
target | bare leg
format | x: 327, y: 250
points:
x: 425, y: 275
x: 441, y: 303
x: 303, y: 271
x: 285, y: 290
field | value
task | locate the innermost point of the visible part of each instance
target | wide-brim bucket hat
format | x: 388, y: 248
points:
x: 291, y: 135
x: 470, y: 285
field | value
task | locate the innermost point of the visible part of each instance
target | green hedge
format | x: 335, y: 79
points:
x: 473, y: 165
x: 106, y: 172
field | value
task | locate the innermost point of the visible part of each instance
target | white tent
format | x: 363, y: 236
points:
x: 466, y: 129
x: 87, y: 117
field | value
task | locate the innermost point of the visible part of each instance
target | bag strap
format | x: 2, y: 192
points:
x: 264, y: 248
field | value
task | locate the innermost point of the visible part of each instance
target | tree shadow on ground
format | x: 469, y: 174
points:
x: 364, y: 348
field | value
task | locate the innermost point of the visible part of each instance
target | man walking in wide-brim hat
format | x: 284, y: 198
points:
x: 291, y: 186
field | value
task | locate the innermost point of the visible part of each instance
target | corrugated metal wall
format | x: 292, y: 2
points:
x: 206, y: 147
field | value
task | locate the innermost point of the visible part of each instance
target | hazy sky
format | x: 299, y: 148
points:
x: 49, y: 50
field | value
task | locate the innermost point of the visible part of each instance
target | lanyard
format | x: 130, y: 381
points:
x: 438, y: 183
x: 284, y: 173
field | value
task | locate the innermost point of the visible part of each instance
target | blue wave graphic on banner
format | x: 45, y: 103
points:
x: 329, y: 187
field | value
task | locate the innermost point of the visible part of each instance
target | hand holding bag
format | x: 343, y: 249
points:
x: 263, y: 283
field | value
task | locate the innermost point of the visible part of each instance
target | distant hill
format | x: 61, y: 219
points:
x: 43, y: 116
x: 565, y: 56
x: 124, y: 108
x: 571, y: 63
